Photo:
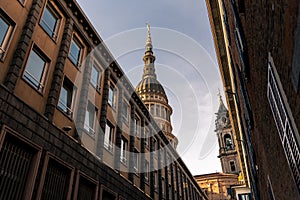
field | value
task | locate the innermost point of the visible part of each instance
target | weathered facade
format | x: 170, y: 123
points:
x: 257, y: 45
x: 72, y: 126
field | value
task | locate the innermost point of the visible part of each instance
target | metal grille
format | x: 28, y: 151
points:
x: 15, y: 161
x: 86, y: 190
x: 56, y: 182
x: 286, y: 131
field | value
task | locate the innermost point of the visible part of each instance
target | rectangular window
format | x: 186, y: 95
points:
x: 7, y: 27
x: 36, y: 70
x: 155, y: 180
x: 112, y: 96
x: 75, y: 51
x: 90, y: 116
x: 57, y: 183
x: 18, y: 159
x: 67, y: 97
x: 125, y: 110
x: 109, y: 137
x: 124, y: 149
x: 284, y: 121
x: 147, y: 170
x: 86, y: 188
x: 95, y: 77
x: 157, y: 110
x: 146, y: 136
x: 152, y: 109
x: 136, y: 160
x: 137, y: 130
x: 50, y: 22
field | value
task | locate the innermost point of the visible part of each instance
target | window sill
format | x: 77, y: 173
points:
x: 54, y: 39
x: 70, y: 117
x: 90, y: 133
x: 30, y: 85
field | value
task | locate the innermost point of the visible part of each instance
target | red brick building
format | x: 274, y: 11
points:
x: 257, y: 45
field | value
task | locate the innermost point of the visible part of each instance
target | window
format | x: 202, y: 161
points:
x: 36, y: 70
x: 125, y: 111
x: 232, y: 166
x: 228, y: 142
x: 95, y: 77
x: 75, y: 51
x: 50, y: 22
x: 67, y: 96
x: 155, y: 180
x: 90, y: 116
x: 112, y: 96
x: 109, y: 137
x: 163, y: 112
x: 124, y: 149
x: 146, y: 172
x: 146, y: 136
x: 7, y: 27
x: 284, y: 121
x: 136, y: 160
x: 137, y: 131
x: 157, y: 110
x: 152, y: 109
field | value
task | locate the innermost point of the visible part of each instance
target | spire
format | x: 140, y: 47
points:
x: 149, y: 58
x: 222, y: 107
x: 148, y: 42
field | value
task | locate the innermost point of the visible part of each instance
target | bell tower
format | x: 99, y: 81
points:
x: 227, y: 151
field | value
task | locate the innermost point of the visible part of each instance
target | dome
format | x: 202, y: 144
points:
x: 150, y: 85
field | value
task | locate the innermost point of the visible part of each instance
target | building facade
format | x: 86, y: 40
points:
x: 217, y: 185
x: 257, y: 46
x: 72, y: 126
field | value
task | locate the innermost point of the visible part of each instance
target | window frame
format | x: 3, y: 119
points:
x: 44, y: 74
x: 79, y: 43
x: 136, y: 161
x: 123, y: 151
x: 87, y: 127
x: 127, y: 108
x: 112, y: 102
x: 109, y: 146
x: 70, y: 110
x: 58, y: 17
x: 8, y: 35
x: 97, y: 84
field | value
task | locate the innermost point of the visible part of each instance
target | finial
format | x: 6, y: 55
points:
x: 148, y: 42
x: 220, y: 96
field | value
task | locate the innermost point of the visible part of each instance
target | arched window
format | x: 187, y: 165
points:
x: 228, y: 141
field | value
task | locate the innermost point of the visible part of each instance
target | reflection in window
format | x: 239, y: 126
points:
x: 66, y: 97
x: 75, y: 52
x: 90, y: 115
x: 124, y: 149
x: 109, y: 137
x: 112, y: 96
x: 136, y: 160
x: 35, y: 70
x: 95, y: 77
x: 49, y: 22
x: 6, y: 30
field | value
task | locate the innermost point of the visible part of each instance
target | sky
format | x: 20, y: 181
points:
x: 185, y: 64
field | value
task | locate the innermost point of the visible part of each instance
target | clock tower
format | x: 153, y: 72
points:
x: 227, y: 151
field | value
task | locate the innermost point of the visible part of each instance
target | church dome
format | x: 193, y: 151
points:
x: 150, y: 85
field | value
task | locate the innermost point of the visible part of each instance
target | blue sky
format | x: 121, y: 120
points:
x: 185, y: 64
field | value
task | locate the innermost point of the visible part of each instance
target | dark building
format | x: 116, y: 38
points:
x: 257, y: 46
x: 72, y: 126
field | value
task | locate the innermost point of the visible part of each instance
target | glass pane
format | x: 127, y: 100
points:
x: 3, y: 30
x: 111, y: 96
x: 63, y: 99
x: 94, y: 77
x: 74, y: 52
x: 91, y: 117
x: 87, y: 119
x: 34, y: 69
x: 48, y: 21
